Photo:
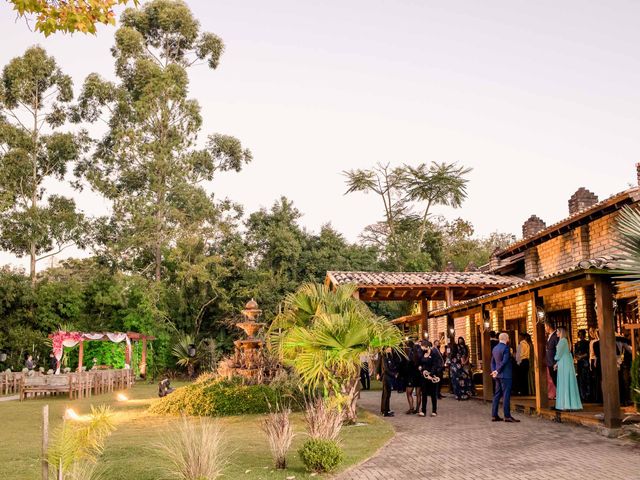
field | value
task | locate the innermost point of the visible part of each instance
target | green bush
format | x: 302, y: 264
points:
x: 319, y: 455
x: 215, y: 397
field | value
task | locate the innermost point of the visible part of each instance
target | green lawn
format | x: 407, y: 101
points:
x: 130, y: 452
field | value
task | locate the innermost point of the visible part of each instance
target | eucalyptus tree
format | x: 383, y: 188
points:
x: 34, y: 99
x: 435, y: 184
x: 149, y: 163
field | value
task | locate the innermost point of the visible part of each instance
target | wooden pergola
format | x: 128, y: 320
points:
x: 423, y: 287
x: 83, y: 337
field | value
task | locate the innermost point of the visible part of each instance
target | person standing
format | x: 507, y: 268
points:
x: 365, y: 377
x: 455, y: 368
x: 431, y: 366
x: 387, y: 372
x: 502, y: 372
x: 567, y: 393
x: 581, y: 351
x: 552, y: 343
x: 523, y: 353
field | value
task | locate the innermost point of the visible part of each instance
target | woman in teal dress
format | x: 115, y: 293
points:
x: 567, y: 393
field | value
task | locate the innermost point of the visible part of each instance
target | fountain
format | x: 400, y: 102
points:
x: 247, y: 358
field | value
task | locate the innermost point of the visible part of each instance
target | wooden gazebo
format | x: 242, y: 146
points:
x: 61, y: 339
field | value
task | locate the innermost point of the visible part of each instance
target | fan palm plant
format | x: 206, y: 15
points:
x: 183, y: 350
x: 628, y: 264
x: 322, y: 334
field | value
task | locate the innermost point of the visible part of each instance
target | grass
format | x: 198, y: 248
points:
x: 131, y: 450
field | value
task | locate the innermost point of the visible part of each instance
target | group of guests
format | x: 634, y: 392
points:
x: 418, y: 371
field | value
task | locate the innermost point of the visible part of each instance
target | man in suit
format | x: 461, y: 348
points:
x: 552, y: 344
x: 387, y: 371
x: 502, y: 372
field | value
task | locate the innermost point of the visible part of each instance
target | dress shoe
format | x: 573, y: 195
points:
x: 511, y: 420
x: 389, y: 414
x: 497, y: 419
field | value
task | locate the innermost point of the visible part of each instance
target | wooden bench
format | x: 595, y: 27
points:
x: 43, y: 385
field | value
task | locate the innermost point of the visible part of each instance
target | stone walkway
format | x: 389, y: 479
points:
x: 463, y: 443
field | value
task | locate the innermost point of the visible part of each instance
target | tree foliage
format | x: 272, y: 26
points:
x: 148, y: 163
x: 68, y: 16
x: 34, y: 99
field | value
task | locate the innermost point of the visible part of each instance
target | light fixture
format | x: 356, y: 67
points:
x: 191, y: 351
x: 540, y: 314
x: 485, y: 326
x: 452, y: 331
x: 122, y: 397
x: 426, y: 334
x: 70, y: 414
x: 3, y: 356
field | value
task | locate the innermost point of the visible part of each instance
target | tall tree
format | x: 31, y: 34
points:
x: 388, y: 184
x: 68, y: 16
x: 34, y: 95
x: 435, y: 184
x: 148, y: 163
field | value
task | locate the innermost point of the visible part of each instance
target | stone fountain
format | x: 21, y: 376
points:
x: 247, y: 358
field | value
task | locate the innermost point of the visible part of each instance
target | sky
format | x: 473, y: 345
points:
x: 539, y: 98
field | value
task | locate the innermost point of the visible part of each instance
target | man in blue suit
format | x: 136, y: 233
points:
x: 501, y: 371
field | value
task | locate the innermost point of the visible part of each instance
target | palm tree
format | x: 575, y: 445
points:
x: 322, y: 334
x: 435, y: 184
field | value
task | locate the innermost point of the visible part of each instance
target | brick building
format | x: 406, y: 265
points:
x: 560, y: 271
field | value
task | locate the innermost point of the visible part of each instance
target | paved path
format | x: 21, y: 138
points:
x: 463, y: 443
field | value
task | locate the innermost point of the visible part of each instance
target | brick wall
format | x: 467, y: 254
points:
x: 596, y: 239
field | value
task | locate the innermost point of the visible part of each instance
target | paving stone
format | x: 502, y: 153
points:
x: 463, y: 443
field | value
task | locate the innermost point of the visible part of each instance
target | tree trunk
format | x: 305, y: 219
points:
x: 34, y: 193
x: 352, y: 395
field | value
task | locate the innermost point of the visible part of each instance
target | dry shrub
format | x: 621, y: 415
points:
x: 279, y: 431
x: 195, y: 450
x: 324, y: 420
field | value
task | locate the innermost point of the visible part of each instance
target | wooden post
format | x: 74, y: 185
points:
x: 487, y: 383
x: 143, y: 360
x: 80, y: 355
x: 608, y: 366
x: 539, y: 354
x: 448, y: 296
x: 45, y: 442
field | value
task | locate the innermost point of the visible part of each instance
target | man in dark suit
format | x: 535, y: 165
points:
x: 502, y: 372
x: 387, y: 372
x: 552, y: 344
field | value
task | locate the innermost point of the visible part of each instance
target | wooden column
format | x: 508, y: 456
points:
x: 448, y: 297
x: 539, y: 354
x: 608, y: 366
x: 424, y: 317
x: 487, y: 383
x: 143, y: 360
x: 80, y: 355
x: 450, y: 325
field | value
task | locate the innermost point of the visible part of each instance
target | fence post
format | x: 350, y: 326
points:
x: 45, y: 442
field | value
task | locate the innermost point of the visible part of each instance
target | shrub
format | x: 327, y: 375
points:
x: 279, y: 431
x: 319, y: 455
x: 195, y: 450
x: 218, y: 397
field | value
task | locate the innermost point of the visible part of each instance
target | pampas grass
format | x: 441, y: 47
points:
x: 279, y: 431
x: 324, y: 420
x: 195, y: 450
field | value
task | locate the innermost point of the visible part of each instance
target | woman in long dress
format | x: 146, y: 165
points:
x: 567, y: 392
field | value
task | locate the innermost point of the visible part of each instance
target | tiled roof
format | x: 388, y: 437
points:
x: 631, y: 193
x: 383, y: 279
x: 599, y: 263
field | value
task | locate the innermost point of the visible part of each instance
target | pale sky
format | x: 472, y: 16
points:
x: 540, y: 98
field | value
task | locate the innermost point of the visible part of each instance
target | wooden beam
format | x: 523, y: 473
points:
x: 608, y: 365
x: 424, y: 320
x: 487, y: 381
x: 563, y: 287
x: 448, y: 296
x: 539, y: 354
x: 80, y: 355
x: 143, y: 359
